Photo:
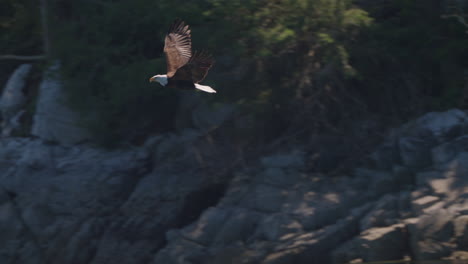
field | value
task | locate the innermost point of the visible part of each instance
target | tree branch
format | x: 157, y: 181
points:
x: 20, y: 57
x: 457, y: 14
x: 460, y: 19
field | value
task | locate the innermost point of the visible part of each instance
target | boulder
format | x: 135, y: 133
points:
x: 385, y: 213
x: 374, y: 245
x: 415, y: 151
x: 422, y: 203
x: 13, y: 99
x: 440, y: 126
x: 277, y: 226
x: 18, y: 242
x: 445, y: 152
x: 431, y: 235
x: 417, y: 138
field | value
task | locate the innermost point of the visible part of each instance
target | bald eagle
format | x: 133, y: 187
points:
x: 184, y: 69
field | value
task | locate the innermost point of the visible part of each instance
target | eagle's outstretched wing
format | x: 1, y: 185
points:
x: 200, y: 63
x: 196, y: 68
x: 177, y: 47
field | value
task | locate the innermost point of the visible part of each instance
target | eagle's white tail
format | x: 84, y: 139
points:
x: 204, y: 88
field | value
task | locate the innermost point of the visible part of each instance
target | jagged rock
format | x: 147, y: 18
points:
x: 381, y: 182
x: 291, y: 160
x: 457, y: 169
x: 447, y: 151
x: 441, y: 126
x: 375, y: 241
x: 173, y: 146
x: 277, y: 177
x: 18, y: 242
x: 373, y: 245
x: 54, y: 120
x: 88, y: 205
x: 178, y: 199
x: 243, y: 208
x: 386, y: 155
x: 66, y: 196
x: 239, y: 227
x: 448, y: 181
x: 317, y: 245
x: 222, y: 226
x: 385, y: 213
x: 275, y: 226
x: 13, y: 99
x: 329, y: 152
x: 415, y: 151
x: 420, y: 136
x: 431, y: 236
x: 458, y: 257
x: 420, y: 204
x: 264, y: 198
x: 461, y: 231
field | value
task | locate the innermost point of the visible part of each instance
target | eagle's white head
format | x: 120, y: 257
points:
x: 160, y: 78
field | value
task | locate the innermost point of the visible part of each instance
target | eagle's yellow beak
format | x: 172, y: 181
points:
x: 152, y: 79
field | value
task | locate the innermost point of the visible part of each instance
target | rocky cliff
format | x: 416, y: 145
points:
x: 181, y: 198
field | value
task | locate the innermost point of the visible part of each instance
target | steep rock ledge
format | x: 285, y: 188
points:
x: 181, y: 198
x: 412, y: 194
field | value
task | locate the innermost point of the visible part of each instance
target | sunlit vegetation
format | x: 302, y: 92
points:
x: 290, y: 64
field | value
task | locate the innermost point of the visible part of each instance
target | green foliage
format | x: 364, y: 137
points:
x: 108, y: 49
x: 293, y: 48
x: 411, y: 60
x: 19, y: 27
x: 285, y: 62
x: 19, y: 33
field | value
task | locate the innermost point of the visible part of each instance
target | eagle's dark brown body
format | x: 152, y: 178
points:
x: 180, y: 84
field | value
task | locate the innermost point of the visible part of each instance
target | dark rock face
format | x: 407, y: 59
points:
x: 84, y: 205
x: 181, y: 199
x: 407, y: 205
x: 13, y: 99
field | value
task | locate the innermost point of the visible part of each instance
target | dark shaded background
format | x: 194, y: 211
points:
x: 293, y: 67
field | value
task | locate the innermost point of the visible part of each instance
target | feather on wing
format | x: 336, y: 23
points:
x: 177, y: 47
x: 196, y: 68
x: 201, y: 63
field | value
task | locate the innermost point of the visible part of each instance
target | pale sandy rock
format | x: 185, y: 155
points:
x: 422, y: 203
x: 374, y: 245
x: 385, y: 213
x: 431, y: 236
x: 458, y: 257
